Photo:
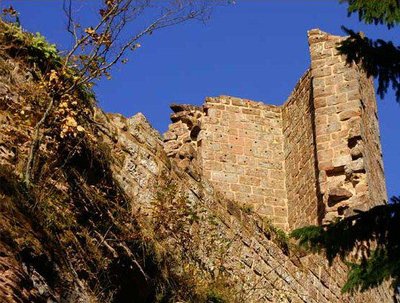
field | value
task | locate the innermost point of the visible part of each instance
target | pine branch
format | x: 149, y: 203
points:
x: 376, y: 11
x: 370, y: 238
x: 379, y: 58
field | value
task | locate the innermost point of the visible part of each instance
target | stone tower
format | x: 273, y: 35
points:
x: 315, y: 158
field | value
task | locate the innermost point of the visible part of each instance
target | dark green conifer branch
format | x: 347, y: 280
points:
x: 376, y: 11
x: 379, y: 58
x: 371, y: 237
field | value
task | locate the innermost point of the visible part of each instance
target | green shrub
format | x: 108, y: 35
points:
x: 35, y: 47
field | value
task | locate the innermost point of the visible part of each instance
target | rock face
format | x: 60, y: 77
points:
x: 313, y: 159
x: 127, y: 216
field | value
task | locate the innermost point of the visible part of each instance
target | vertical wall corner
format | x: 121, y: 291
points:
x: 300, y: 160
x: 344, y: 143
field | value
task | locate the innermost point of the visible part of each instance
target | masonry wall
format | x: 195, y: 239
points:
x: 312, y: 160
x: 181, y: 141
x: 345, y: 123
x: 225, y: 239
x: 371, y: 148
x: 242, y: 154
x: 300, y: 158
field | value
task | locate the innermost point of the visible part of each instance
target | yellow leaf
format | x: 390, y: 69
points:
x: 70, y: 121
x: 53, y: 75
x: 89, y: 31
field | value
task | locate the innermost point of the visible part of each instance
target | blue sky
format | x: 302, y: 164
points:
x: 255, y: 49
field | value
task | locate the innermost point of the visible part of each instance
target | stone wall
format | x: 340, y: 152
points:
x: 226, y: 240
x: 300, y: 161
x: 314, y: 159
x: 242, y: 154
x: 371, y: 151
x: 341, y: 117
x: 181, y: 141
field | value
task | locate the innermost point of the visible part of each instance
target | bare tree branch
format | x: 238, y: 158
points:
x: 95, y: 51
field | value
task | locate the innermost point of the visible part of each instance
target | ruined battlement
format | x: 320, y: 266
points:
x: 313, y: 159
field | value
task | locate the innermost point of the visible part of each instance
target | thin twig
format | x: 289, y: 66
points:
x: 37, y: 138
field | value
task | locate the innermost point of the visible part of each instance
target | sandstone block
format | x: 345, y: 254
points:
x: 333, y: 127
x: 342, y: 160
x: 249, y: 180
x: 323, y: 54
x: 328, y: 110
x: 339, y: 68
x: 322, y: 72
x: 239, y: 102
x: 183, y: 164
x: 168, y: 136
x: 241, y: 188
x: 337, y: 98
x: 362, y: 188
x: 187, y: 151
x: 280, y: 211
x: 348, y: 86
x: 171, y: 145
x: 183, y: 107
x: 355, y: 166
x: 358, y: 150
x: 251, y: 111
x: 337, y: 194
x: 354, y: 126
x: 354, y: 95
x: 324, y: 91
x: 224, y: 177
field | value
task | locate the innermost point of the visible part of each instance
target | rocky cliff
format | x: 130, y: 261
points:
x: 109, y: 216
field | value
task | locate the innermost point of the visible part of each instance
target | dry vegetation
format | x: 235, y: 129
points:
x: 64, y: 216
x: 71, y: 224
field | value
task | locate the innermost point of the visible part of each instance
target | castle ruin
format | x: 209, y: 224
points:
x: 313, y: 159
x: 121, y: 214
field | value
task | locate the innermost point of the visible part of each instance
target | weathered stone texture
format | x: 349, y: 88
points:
x: 347, y: 135
x: 182, y: 138
x: 228, y: 239
x: 312, y: 160
x: 242, y: 154
x: 300, y: 162
x: 369, y: 148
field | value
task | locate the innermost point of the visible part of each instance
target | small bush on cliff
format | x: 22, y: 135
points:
x: 34, y: 48
x: 277, y: 235
x: 247, y: 208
